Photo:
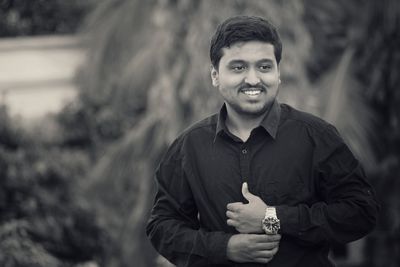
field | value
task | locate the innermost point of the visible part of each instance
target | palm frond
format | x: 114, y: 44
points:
x: 345, y: 106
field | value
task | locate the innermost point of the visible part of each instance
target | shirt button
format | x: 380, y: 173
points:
x: 244, y: 151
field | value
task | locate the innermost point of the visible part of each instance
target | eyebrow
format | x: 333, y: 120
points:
x: 239, y: 61
x: 236, y: 61
x: 265, y: 60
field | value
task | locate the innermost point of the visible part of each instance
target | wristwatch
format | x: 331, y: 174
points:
x: 271, y: 223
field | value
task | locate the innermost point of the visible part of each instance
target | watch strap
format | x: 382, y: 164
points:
x: 270, y: 212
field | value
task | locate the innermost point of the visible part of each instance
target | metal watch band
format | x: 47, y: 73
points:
x: 270, y: 212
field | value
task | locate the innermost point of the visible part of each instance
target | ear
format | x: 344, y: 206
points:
x: 214, y: 76
x: 279, y: 75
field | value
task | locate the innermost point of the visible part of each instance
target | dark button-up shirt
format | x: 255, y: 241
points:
x: 293, y: 161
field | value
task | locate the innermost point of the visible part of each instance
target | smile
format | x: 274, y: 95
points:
x: 252, y: 92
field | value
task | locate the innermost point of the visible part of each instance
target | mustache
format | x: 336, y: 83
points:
x: 259, y: 86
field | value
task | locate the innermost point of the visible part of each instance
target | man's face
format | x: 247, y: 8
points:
x: 247, y: 77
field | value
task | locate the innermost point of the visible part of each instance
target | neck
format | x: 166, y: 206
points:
x: 241, y: 125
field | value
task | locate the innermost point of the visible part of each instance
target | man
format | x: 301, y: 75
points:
x: 259, y: 182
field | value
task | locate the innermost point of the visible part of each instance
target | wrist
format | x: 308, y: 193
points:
x: 231, y: 249
x: 260, y: 218
x: 270, y: 223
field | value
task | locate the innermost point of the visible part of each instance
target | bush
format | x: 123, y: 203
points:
x: 43, y: 220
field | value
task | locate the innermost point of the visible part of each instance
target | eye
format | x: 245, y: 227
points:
x: 238, y: 68
x: 265, y: 67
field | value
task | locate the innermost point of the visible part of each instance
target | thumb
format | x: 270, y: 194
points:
x: 246, y: 194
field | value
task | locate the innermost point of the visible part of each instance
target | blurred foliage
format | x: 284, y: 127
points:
x: 78, y: 191
x: 91, y: 127
x: 42, y: 221
x: 152, y: 68
x: 370, y: 30
x: 379, y: 52
x: 35, y: 17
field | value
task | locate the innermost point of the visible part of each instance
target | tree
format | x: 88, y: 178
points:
x: 142, y: 56
x: 148, y: 66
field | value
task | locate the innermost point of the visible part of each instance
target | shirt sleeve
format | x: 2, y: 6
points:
x: 173, y: 227
x: 348, y: 208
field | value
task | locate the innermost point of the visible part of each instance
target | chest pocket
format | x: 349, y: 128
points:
x: 289, y: 190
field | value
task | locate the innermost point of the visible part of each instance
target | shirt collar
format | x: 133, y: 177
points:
x: 270, y: 122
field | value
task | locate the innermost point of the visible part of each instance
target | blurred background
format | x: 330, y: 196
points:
x: 92, y: 93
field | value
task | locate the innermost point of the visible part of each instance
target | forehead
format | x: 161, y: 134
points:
x: 248, y: 51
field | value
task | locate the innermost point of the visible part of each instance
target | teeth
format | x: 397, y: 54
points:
x: 255, y: 92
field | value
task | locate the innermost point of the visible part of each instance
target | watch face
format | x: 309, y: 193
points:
x: 271, y: 225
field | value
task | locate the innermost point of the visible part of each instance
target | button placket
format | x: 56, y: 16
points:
x: 244, y: 163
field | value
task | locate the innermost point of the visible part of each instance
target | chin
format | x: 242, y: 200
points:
x: 254, y: 112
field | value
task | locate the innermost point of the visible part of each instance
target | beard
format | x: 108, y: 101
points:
x: 256, y: 110
x: 251, y: 108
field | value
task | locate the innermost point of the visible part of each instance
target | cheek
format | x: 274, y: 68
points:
x: 230, y: 80
x: 271, y: 80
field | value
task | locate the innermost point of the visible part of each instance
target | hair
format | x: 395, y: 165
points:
x: 243, y: 29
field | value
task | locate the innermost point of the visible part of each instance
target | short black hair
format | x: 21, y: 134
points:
x: 244, y: 29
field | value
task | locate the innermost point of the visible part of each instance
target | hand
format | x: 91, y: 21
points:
x: 247, y: 218
x: 252, y: 247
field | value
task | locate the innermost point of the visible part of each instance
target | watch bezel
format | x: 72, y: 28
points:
x: 271, y: 225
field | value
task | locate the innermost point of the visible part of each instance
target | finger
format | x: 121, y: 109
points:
x: 266, y: 246
x: 273, y: 238
x: 266, y: 256
x: 266, y: 253
x: 257, y: 238
x: 234, y: 206
x: 231, y: 222
x: 275, y: 250
x: 231, y: 215
x: 245, y: 192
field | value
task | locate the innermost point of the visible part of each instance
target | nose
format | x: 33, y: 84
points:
x: 252, y: 77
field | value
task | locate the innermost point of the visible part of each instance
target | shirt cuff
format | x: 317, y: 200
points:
x: 217, y: 248
x: 289, y: 220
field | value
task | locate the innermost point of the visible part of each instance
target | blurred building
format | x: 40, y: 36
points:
x: 37, y: 73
